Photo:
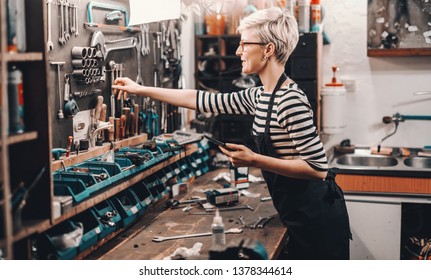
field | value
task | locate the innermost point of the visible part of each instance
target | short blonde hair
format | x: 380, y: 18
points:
x: 274, y: 25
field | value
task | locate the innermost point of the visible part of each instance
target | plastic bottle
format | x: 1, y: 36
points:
x: 16, y: 100
x: 304, y: 16
x: 316, y: 16
x: 290, y: 5
x: 217, y: 228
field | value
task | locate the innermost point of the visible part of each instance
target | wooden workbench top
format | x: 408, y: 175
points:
x: 136, y: 243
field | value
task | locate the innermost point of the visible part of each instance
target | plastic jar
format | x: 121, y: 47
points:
x: 304, y: 16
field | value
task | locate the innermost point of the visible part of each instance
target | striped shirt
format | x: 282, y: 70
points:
x: 293, y: 133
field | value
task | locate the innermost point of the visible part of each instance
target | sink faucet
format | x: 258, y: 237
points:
x: 100, y: 126
x: 397, y: 118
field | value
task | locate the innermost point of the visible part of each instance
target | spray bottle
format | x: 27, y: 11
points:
x: 316, y: 16
x: 217, y: 228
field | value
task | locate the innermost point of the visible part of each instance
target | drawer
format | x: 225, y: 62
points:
x: 303, y: 68
x: 309, y: 87
x: 307, y: 46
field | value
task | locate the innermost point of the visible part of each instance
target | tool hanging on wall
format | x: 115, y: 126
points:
x: 112, y: 100
x: 70, y: 106
x: 152, y: 126
x: 86, y: 65
x: 171, y: 69
x: 68, y: 22
x: 69, y: 145
x: 116, y: 13
x: 58, y: 64
x: 105, y: 46
x: 145, y: 33
x: 49, y: 44
x: 157, y: 54
x: 97, y: 125
x: 138, y: 47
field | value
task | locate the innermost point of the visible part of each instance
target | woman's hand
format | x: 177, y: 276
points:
x: 239, y: 155
x: 122, y: 86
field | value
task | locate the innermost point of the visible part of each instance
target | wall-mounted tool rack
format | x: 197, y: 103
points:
x: 66, y: 67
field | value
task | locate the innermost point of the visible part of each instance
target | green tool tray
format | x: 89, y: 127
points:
x: 74, y: 187
x: 92, y: 229
x: 127, y: 205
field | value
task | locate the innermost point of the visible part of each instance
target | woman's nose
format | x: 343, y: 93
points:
x: 238, y: 51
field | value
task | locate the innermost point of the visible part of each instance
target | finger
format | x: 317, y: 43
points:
x: 226, y: 151
x: 234, y: 147
x: 119, y: 81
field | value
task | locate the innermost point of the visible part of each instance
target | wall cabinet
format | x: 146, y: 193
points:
x: 304, y: 67
x: 217, y: 65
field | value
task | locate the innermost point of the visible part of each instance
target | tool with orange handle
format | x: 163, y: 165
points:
x: 69, y: 146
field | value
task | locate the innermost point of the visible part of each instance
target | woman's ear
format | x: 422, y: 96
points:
x: 269, y: 49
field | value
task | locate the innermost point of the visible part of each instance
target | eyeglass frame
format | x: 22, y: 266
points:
x: 243, y: 43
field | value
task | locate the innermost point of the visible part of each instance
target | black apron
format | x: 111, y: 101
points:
x: 314, y: 211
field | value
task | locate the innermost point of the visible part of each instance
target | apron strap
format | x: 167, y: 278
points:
x: 281, y: 80
x: 332, y: 185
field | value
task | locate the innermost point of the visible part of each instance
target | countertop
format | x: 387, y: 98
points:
x: 136, y: 242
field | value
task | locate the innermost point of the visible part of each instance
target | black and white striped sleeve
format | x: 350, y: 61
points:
x: 241, y: 102
x: 295, y: 115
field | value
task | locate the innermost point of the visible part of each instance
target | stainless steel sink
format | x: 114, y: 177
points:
x: 418, y: 162
x: 362, y: 161
x: 368, y: 160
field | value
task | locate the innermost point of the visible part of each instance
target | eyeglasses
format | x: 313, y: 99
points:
x: 243, y: 43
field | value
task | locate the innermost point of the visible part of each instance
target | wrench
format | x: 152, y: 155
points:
x: 241, y: 219
x: 49, y: 44
x: 254, y: 226
x: 145, y: 50
x: 164, y: 238
x: 104, y: 46
x: 264, y: 222
x: 76, y: 20
x: 138, y: 54
x: 61, y: 39
x: 72, y: 18
x: 245, y: 206
x: 66, y: 20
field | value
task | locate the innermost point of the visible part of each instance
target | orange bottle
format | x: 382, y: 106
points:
x: 316, y: 16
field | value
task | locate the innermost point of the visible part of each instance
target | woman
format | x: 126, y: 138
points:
x: 290, y: 153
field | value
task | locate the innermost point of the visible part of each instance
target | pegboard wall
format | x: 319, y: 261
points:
x: 90, y: 39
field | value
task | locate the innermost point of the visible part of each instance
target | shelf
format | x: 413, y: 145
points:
x: 228, y: 36
x: 398, y: 52
x: 218, y: 56
x: 23, y: 57
x: 30, y: 227
x: 18, y: 138
x: 96, y: 151
x: 113, y: 190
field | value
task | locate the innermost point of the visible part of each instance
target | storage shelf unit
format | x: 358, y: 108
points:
x: 23, y: 156
x: 304, y: 67
x: 216, y: 63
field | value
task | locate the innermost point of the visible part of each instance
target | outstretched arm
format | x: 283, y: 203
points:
x: 178, y: 97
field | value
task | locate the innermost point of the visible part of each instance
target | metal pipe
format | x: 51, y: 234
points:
x: 422, y: 93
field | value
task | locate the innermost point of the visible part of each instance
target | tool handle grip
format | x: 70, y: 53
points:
x: 98, y: 108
